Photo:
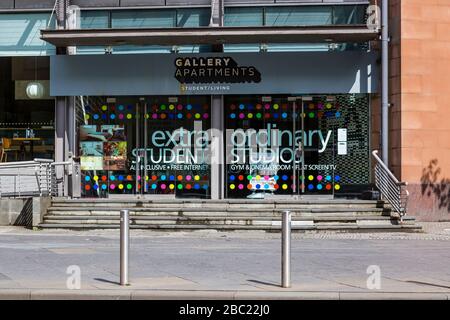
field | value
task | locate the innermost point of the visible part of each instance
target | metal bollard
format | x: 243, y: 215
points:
x: 286, y: 250
x: 124, y: 246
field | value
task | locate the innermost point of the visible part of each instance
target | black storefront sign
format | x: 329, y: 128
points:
x: 214, y: 70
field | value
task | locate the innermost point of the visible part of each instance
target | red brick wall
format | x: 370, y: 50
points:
x: 420, y: 125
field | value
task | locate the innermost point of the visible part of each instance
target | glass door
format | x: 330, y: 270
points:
x: 260, y: 136
x: 107, y: 140
x: 314, y: 148
x: 297, y: 146
x: 140, y: 151
x: 172, y: 150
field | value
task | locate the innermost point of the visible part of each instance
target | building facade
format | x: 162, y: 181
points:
x: 258, y: 99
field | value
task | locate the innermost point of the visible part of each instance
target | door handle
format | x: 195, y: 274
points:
x: 299, y: 152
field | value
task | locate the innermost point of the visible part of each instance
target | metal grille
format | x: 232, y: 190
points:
x: 353, y: 168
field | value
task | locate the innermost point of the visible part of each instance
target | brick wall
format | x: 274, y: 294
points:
x: 421, y: 95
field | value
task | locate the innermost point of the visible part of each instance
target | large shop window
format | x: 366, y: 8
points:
x: 20, y: 34
x: 26, y: 110
x: 147, y: 146
x: 285, y: 146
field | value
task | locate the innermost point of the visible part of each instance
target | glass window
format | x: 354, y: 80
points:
x: 193, y: 18
x: 295, y: 47
x: 26, y: 109
x: 349, y: 15
x: 235, y: 17
x: 133, y: 49
x: 299, y: 16
x: 153, y: 145
x: 317, y: 47
x: 313, y: 145
x: 144, y: 19
x: 130, y: 49
x: 20, y: 34
x: 94, y: 20
x: 90, y: 50
x: 301, y: 47
x: 241, y: 48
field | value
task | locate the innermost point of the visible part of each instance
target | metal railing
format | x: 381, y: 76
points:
x: 33, y: 178
x: 392, y: 190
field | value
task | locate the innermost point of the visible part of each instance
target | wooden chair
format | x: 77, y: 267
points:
x: 6, y: 147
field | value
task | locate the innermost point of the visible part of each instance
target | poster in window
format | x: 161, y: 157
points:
x: 91, y: 133
x: 115, y: 155
x: 91, y: 149
x: 113, y: 132
x: 91, y: 163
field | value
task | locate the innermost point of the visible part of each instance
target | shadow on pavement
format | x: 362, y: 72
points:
x: 107, y: 281
x: 265, y: 283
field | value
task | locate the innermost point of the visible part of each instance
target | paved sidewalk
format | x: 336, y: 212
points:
x: 215, y: 265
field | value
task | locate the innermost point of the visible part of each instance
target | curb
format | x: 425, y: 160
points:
x: 55, y: 294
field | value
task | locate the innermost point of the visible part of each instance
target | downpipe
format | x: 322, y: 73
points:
x: 385, y: 81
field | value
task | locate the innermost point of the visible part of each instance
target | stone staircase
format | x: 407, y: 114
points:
x: 171, y: 215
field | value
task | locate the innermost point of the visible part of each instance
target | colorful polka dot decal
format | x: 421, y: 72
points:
x: 155, y: 112
x: 282, y: 111
x: 283, y: 182
x: 153, y: 182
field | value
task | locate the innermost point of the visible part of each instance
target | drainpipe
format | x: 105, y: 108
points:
x: 385, y: 81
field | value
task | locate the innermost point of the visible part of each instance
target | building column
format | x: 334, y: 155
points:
x: 61, y: 142
x: 217, y: 148
x: 71, y: 142
x: 72, y: 22
x: 65, y: 139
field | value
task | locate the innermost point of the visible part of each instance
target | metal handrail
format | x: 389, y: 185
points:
x: 53, y: 182
x: 392, y: 190
x: 43, y: 160
x: 45, y: 173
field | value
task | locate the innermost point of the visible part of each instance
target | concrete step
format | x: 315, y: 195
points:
x: 222, y: 215
x: 335, y: 222
x: 234, y: 214
x: 127, y: 199
x: 269, y: 228
x: 223, y: 208
x: 210, y: 217
x: 223, y: 212
x: 262, y: 204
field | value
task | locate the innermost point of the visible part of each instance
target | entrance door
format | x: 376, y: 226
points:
x: 172, y: 147
x: 315, y: 165
x: 279, y: 146
x: 140, y: 151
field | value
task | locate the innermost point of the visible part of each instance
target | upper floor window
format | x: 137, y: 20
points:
x: 234, y: 17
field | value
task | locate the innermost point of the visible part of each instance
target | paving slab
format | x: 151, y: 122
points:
x: 215, y: 265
